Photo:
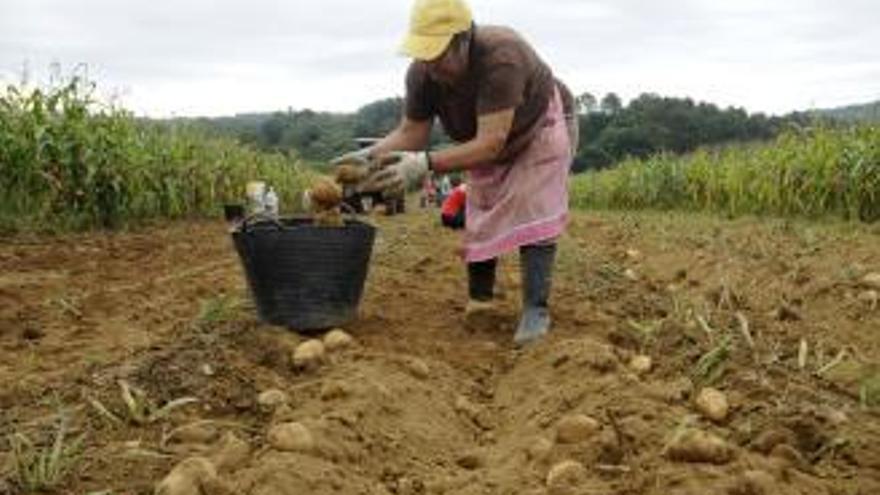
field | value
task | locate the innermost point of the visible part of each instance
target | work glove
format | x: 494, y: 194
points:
x: 357, y: 157
x: 399, y: 170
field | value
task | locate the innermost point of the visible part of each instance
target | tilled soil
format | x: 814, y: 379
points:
x: 781, y: 317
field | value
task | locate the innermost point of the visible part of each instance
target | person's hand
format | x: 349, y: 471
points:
x: 397, y: 170
x: 357, y: 157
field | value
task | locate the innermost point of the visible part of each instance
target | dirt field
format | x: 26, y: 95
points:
x: 781, y: 317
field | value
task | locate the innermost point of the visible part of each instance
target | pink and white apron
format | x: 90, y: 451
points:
x: 523, y: 202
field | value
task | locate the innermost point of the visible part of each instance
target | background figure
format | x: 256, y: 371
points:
x: 452, y: 212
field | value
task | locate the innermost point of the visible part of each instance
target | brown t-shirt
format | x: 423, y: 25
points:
x: 503, y: 72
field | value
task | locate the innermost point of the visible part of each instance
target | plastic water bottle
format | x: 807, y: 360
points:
x: 256, y: 193
x: 271, y: 202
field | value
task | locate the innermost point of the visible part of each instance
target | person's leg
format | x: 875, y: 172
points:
x: 536, y: 265
x: 481, y: 280
x: 480, y: 311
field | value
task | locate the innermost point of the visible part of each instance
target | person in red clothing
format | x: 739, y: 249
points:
x: 453, y: 208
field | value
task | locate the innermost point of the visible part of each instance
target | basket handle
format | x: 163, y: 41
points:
x: 248, y: 221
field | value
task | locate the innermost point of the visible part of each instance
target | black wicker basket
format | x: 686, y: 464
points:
x: 304, y: 276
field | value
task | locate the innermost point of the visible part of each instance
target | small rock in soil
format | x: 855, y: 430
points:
x: 471, y: 460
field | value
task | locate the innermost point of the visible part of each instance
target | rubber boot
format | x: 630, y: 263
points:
x: 479, y: 315
x: 536, y: 265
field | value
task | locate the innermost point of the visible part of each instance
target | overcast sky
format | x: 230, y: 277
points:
x: 215, y: 57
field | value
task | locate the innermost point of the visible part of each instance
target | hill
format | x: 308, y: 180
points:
x: 865, y: 112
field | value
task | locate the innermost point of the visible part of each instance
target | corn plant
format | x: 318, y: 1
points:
x: 810, y: 173
x: 69, y: 161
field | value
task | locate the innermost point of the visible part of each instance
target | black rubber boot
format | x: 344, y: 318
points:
x: 536, y: 266
x: 481, y: 280
x: 480, y: 313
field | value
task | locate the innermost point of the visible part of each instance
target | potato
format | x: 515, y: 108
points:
x: 576, y: 428
x: 325, y: 194
x: 337, y: 339
x: 754, y: 482
x: 197, y: 432
x: 565, y: 477
x: 329, y: 218
x: 699, y: 446
x: 291, y: 437
x: 539, y: 450
x: 187, y: 477
x: 712, y: 404
x: 309, y: 355
x: 333, y: 389
x: 350, y: 174
x: 230, y: 452
x: 271, y: 399
x: 418, y: 368
x: 640, y: 364
x: 871, y: 280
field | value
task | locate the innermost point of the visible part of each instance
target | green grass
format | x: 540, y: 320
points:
x: 67, y: 161
x: 810, y: 173
x: 41, y: 466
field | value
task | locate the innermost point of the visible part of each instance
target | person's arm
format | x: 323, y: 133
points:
x: 409, y: 135
x: 492, y: 132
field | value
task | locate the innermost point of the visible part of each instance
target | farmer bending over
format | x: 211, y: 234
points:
x: 515, y: 131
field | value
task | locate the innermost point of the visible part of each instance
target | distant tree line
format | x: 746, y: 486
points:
x: 610, y: 130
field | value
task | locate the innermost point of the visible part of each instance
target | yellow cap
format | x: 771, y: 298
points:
x: 432, y: 25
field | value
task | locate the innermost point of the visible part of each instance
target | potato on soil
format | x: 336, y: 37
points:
x: 309, y: 355
x: 576, y: 428
x: 539, y: 450
x: 187, y: 478
x: 418, y: 368
x: 565, y: 478
x: 291, y: 437
x: 230, y: 452
x: 871, y: 280
x: 336, y: 340
x: 271, y: 399
x: 712, y: 404
x: 640, y: 364
x: 196, y: 432
x: 699, y: 446
x: 754, y: 482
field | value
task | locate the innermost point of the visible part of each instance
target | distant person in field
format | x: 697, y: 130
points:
x: 452, y: 211
x: 515, y: 130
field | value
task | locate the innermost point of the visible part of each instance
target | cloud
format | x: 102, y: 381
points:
x: 224, y: 56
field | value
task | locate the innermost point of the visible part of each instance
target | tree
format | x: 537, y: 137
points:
x: 611, y: 103
x: 586, y: 103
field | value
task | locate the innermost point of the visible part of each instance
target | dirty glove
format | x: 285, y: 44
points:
x: 398, y: 170
x: 357, y: 157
